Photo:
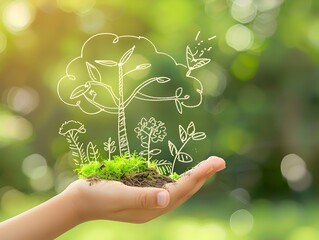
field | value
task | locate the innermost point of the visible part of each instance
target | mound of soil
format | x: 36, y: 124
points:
x: 148, y: 178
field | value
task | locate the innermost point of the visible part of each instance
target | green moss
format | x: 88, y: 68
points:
x: 175, y: 176
x: 115, y: 169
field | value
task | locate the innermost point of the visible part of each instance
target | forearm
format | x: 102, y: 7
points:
x: 46, y: 221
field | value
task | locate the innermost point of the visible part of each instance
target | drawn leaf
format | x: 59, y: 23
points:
x: 79, y: 91
x: 144, y: 152
x: 143, y: 66
x: 164, y: 166
x: 126, y: 56
x: 172, y: 148
x: 184, y: 157
x: 201, y: 62
x: 76, y: 147
x: 106, y: 63
x: 93, y: 72
x: 199, y: 136
x: 182, y: 134
x: 179, y: 106
x: 179, y: 92
x: 144, y: 144
x: 155, y: 151
x: 112, y: 150
x: 163, y: 79
x: 189, y: 56
x: 191, y: 129
x: 92, y: 152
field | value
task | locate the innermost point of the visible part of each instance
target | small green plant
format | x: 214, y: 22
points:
x: 115, y: 169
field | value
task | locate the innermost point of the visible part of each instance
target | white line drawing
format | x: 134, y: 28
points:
x: 97, y: 81
x: 71, y: 129
x: 150, y: 131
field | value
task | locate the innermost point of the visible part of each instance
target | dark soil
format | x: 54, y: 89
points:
x: 149, y: 178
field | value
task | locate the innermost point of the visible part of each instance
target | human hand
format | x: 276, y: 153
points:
x: 113, y: 200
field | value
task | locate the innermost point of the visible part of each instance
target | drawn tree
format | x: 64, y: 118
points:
x: 107, y: 79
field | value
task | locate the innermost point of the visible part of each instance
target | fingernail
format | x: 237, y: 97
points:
x: 162, y: 199
x: 217, y: 164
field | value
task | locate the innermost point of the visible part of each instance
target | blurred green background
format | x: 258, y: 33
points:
x: 260, y: 110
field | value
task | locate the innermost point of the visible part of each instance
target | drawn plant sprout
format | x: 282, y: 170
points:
x: 71, y: 130
x: 150, y: 131
x: 107, y: 80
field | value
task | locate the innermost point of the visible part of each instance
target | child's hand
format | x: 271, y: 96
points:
x: 115, y: 201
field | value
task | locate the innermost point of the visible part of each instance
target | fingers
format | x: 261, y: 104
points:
x: 193, y: 180
x: 127, y: 197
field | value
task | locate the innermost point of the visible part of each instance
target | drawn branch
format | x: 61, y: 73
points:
x: 109, y: 147
x: 185, y: 136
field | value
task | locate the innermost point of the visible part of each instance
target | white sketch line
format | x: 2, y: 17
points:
x: 84, y: 93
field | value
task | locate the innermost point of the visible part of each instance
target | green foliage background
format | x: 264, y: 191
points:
x: 260, y: 107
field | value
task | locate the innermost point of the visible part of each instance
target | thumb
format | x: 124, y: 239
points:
x: 149, y: 197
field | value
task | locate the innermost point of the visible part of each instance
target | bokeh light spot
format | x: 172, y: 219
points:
x: 294, y: 169
x: 17, y: 15
x: 241, y: 222
x: 266, y: 5
x: 239, y: 37
x: 92, y: 22
x: 244, y: 11
x: 34, y: 166
x: 14, y: 128
x: 79, y: 7
x: 313, y: 34
x: 23, y: 100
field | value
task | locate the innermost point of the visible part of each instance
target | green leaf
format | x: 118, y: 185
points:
x: 172, y: 148
x: 199, y: 136
x: 93, y: 72
x: 126, y: 56
x: 79, y: 91
x: 184, y: 157
x: 182, y: 134
x: 106, y: 63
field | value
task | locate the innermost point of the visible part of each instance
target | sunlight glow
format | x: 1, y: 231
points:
x: 17, y: 15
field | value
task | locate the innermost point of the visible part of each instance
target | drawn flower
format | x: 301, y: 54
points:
x: 151, y: 129
x: 70, y: 126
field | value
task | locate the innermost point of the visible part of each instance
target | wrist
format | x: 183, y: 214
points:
x: 74, y: 202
